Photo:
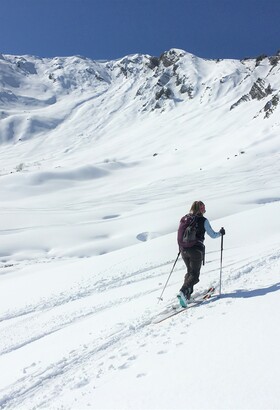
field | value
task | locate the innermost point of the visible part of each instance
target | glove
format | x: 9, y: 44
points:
x: 222, y: 231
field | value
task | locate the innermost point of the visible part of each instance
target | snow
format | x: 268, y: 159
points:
x: 92, y: 189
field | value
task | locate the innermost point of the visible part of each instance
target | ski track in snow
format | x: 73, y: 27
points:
x: 64, y: 371
x: 108, y: 352
x: 98, y: 286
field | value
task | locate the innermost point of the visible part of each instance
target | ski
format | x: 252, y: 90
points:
x: 209, y: 293
x: 176, y: 310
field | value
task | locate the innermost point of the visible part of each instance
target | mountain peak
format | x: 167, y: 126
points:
x: 141, y: 84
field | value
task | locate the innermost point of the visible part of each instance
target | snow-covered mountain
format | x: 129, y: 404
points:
x: 60, y: 88
x: 77, y: 121
x: 99, y: 160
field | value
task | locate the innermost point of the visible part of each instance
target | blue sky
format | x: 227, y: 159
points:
x: 110, y: 29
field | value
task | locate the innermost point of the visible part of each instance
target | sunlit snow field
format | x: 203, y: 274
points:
x: 92, y: 190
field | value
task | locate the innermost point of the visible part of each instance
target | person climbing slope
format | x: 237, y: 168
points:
x: 191, y: 235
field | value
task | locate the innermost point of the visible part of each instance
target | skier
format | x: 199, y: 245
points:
x: 191, y: 245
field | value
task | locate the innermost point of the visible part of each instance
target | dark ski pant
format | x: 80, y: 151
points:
x: 193, y: 258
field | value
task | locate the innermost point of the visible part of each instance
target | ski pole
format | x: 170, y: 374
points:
x: 160, y: 298
x: 221, y: 263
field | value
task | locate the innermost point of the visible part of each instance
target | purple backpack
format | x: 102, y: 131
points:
x: 187, y: 231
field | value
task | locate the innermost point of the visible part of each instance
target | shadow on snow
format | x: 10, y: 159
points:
x: 239, y: 293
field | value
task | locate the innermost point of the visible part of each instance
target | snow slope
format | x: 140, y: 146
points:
x: 99, y: 160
